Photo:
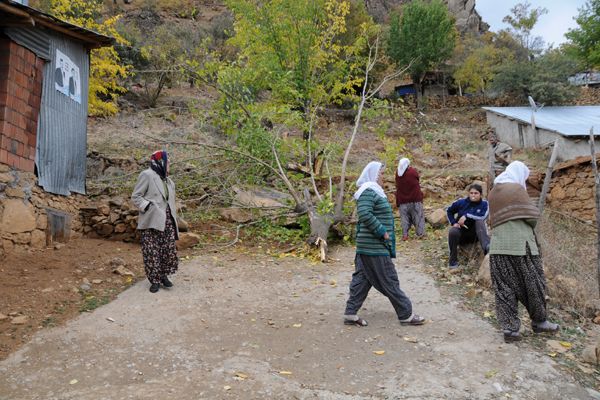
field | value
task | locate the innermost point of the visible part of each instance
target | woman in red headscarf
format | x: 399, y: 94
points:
x: 154, y: 196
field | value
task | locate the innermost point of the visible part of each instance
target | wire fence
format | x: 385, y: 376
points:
x: 568, y: 248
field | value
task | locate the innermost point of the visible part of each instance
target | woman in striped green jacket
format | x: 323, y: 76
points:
x: 375, y: 248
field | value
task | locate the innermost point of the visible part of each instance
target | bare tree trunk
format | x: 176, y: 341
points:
x: 320, y: 224
x: 418, y: 87
x: 548, y: 178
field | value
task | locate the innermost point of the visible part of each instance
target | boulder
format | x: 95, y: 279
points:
x: 235, y: 214
x: 42, y: 222
x: 19, y: 320
x: 120, y: 228
x: 121, y: 270
x: 187, y: 240
x: 116, y: 262
x: 438, y: 218
x: 260, y: 197
x: 484, y: 276
x: 105, y: 230
x: 18, y: 217
x: 103, y: 209
x: 15, y: 192
x: 591, y: 354
x: 38, y: 239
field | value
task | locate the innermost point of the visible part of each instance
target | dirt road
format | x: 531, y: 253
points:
x: 239, y: 326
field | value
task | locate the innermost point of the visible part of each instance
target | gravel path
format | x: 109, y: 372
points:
x: 240, y: 326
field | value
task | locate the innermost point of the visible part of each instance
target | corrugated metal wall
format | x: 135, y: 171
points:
x: 62, y: 127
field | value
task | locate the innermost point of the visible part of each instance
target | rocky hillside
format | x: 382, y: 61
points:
x: 467, y: 18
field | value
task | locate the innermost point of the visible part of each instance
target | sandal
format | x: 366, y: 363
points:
x: 545, y: 327
x: 358, y: 322
x: 511, y: 336
x: 413, y: 320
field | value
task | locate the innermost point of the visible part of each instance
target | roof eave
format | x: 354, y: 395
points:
x: 90, y: 38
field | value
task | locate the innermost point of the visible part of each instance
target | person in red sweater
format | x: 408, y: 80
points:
x: 409, y: 199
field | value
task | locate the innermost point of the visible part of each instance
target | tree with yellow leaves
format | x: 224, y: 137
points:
x: 105, y: 65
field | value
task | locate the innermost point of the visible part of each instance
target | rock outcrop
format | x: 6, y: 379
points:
x: 467, y: 18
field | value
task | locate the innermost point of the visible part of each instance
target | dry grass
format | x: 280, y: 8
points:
x: 570, y: 262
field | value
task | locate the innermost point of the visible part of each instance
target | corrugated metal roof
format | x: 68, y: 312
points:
x: 33, y: 39
x: 32, y: 16
x: 567, y: 121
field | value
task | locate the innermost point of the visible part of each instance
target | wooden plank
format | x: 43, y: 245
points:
x: 597, y: 185
x: 548, y: 178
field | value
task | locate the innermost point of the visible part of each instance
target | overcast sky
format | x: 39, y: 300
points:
x: 551, y: 27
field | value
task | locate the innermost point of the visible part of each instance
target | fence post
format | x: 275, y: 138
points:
x: 548, y: 178
x: 597, y: 185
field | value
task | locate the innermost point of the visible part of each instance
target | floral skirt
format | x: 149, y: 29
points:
x: 159, y: 251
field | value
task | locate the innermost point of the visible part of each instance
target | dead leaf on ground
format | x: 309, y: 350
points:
x: 491, y: 373
x: 556, y: 346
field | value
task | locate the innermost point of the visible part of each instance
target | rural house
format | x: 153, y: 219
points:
x: 521, y: 127
x: 44, y: 73
x: 44, y: 70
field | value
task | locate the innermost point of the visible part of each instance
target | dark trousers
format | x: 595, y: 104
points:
x: 518, y: 279
x: 378, y: 272
x: 458, y: 236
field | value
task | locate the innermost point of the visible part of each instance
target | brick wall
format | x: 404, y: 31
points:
x: 21, y: 75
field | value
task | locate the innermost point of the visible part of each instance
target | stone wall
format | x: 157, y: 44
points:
x: 24, y: 211
x: 572, y: 190
x: 111, y: 218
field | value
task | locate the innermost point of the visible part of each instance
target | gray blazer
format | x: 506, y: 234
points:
x: 149, y: 189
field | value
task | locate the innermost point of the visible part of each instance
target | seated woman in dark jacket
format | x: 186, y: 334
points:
x: 467, y: 223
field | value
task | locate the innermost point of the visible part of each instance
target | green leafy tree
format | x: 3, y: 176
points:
x: 522, y: 20
x: 292, y: 48
x: 545, y: 78
x: 586, y: 38
x: 477, y: 71
x: 424, y: 37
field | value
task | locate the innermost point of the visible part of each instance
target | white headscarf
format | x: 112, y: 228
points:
x: 516, y: 172
x: 368, y: 180
x: 402, y: 166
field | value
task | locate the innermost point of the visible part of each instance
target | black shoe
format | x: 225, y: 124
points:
x: 154, y: 287
x: 166, y: 282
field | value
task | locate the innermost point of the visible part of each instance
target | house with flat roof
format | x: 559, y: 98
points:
x: 522, y: 127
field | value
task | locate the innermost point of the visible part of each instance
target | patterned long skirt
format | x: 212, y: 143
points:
x: 159, y: 251
x: 411, y: 214
x: 518, y: 279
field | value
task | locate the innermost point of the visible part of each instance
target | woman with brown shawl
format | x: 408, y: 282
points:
x: 515, y: 261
